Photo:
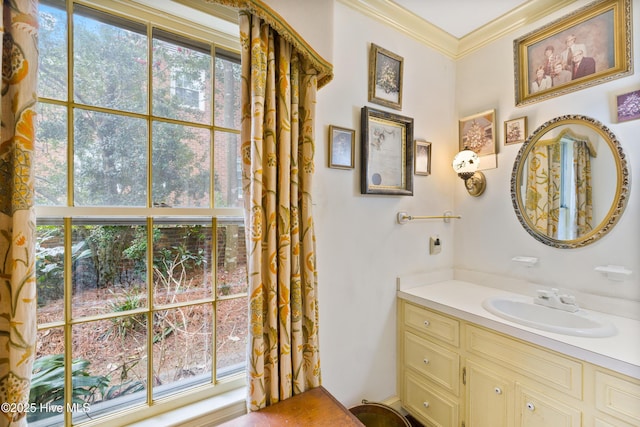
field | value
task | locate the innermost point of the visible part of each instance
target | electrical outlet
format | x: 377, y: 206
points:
x: 435, y: 245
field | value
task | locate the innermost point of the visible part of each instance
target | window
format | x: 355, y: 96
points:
x: 141, y: 265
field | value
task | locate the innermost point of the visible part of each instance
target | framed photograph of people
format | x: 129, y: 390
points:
x: 515, y: 131
x: 422, y: 157
x: 387, y: 153
x: 587, y: 47
x: 341, y: 147
x: 628, y: 106
x: 385, y: 77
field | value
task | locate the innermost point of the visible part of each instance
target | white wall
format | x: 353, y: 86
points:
x: 485, y: 80
x: 361, y: 248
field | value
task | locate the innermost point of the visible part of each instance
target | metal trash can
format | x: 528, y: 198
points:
x: 373, y: 414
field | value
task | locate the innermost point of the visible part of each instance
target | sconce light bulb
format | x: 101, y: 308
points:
x: 466, y: 161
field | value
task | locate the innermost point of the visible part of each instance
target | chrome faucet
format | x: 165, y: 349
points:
x: 554, y: 300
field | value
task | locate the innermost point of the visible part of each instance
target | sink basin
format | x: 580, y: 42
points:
x: 522, y: 310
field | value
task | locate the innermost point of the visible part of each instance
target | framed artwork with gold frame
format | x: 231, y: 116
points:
x: 385, y: 77
x: 587, y: 47
x: 515, y: 130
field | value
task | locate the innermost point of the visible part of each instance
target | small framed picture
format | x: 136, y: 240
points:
x: 515, y: 131
x: 422, y: 158
x: 478, y: 134
x: 628, y: 106
x: 341, y: 147
x: 385, y: 77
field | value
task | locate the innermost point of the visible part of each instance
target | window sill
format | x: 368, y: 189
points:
x: 210, y: 411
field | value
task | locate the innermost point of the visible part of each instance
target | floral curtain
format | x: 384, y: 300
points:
x: 544, y: 193
x: 17, y: 217
x: 542, y: 201
x: 278, y: 145
x: 582, y: 171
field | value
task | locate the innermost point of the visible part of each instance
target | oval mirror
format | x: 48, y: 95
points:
x: 570, y: 182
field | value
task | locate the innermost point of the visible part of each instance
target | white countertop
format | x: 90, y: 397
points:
x: 620, y: 353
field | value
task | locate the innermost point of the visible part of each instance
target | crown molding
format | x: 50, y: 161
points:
x: 407, y: 23
x: 517, y: 18
x: 443, y: 42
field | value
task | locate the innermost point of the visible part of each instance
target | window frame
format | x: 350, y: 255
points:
x: 169, y: 23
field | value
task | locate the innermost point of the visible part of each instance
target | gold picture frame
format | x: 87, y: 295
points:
x: 422, y: 157
x: 386, y: 153
x: 341, y: 147
x: 478, y: 134
x: 385, y: 77
x: 515, y: 131
x: 587, y: 47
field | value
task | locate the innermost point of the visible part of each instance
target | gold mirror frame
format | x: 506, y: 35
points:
x: 622, y: 187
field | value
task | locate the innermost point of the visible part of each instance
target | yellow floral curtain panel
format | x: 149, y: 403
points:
x: 278, y: 145
x: 17, y: 218
x: 583, y: 190
x: 542, y: 204
x: 560, y: 210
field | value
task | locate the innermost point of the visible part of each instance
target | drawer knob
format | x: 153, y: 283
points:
x: 426, y: 361
x: 498, y: 390
x: 425, y: 404
x: 531, y: 406
x: 426, y: 323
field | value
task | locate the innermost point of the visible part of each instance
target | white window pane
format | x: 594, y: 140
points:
x: 110, y: 160
x: 51, y: 155
x: 110, y: 61
x: 181, y: 79
x: 181, y: 166
x: 228, y: 170
x: 228, y: 70
x: 52, y: 49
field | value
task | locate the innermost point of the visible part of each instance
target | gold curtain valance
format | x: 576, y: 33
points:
x: 568, y: 132
x: 282, y: 27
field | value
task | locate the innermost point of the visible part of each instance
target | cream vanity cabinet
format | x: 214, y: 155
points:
x: 455, y: 373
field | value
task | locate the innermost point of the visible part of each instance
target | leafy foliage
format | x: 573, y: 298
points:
x: 50, y: 262
x: 47, y: 383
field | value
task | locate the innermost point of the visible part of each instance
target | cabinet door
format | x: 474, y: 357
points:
x: 534, y: 409
x: 489, y: 399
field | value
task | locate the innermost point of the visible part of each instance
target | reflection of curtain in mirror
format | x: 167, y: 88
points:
x: 542, y: 203
x: 583, y: 189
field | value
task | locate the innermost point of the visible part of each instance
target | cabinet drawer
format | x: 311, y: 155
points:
x: 437, y: 363
x: 618, y: 397
x: 545, y: 367
x: 433, y: 324
x: 424, y: 402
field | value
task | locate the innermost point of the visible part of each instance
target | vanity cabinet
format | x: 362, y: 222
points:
x: 455, y: 373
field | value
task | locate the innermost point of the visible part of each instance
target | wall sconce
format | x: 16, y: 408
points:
x: 465, y: 164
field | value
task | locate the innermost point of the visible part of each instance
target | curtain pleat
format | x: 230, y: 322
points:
x: 278, y: 104
x: 583, y: 189
x: 17, y: 219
